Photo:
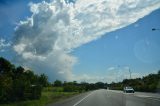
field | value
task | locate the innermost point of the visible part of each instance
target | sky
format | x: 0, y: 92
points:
x: 82, y: 40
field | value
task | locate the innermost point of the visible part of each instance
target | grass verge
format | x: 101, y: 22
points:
x: 49, y: 95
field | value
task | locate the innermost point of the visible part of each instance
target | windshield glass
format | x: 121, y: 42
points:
x: 96, y: 48
x: 129, y: 88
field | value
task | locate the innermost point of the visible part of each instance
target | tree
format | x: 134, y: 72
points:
x: 159, y: 72
x: 57, y: 83
x: 99, y: 85
x: 43, y: 80
x: 5, y: 66
x: 5, y: 79
x: 19, y: 70
x: 19, y: 84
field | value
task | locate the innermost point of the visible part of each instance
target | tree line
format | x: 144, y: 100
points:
x: 79, y: 87
x: 149, y: 83
x: 17, y: 84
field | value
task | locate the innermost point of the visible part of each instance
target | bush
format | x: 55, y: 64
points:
x: 18, y: 84
x: 72, y: 88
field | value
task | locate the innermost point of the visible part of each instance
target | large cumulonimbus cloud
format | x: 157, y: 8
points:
x: 45, y: 40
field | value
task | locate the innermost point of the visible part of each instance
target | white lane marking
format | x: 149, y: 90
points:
x: 143, y: 96
x: 148, y: 97
x: 115, y: 91
x: 83, y: 99
x: 152, y: 98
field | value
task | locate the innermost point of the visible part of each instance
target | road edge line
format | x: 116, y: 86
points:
x: 83, y: 99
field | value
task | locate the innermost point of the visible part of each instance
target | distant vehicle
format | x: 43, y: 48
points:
x: 128, y: 90
x: 107, y: 88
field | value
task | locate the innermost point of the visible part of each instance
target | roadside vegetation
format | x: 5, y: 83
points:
x: 149, y: 83
x: 22, y: 87
x: 49, y: 95
x: 18, y: 84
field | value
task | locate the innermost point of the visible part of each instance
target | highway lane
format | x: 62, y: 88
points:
x: 104, y: 97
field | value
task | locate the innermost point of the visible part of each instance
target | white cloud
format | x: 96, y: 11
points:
x: 112, y: 74
x: 111, y: 68
x: 3, y: 44
x: 109, y: 76
x: 90, y: 78
x: 56, y: 28
x: 136, y: 25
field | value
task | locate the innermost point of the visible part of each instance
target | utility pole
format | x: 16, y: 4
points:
x: 129, y: 72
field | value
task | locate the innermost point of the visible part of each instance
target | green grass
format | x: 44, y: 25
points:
x: 49, y: 95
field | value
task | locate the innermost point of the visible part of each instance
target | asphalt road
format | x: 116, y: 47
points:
x: 111, y: 98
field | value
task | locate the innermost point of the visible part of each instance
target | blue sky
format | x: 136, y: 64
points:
x: 12, y: 11
x: 135, y: 47
x: 117, y: 48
